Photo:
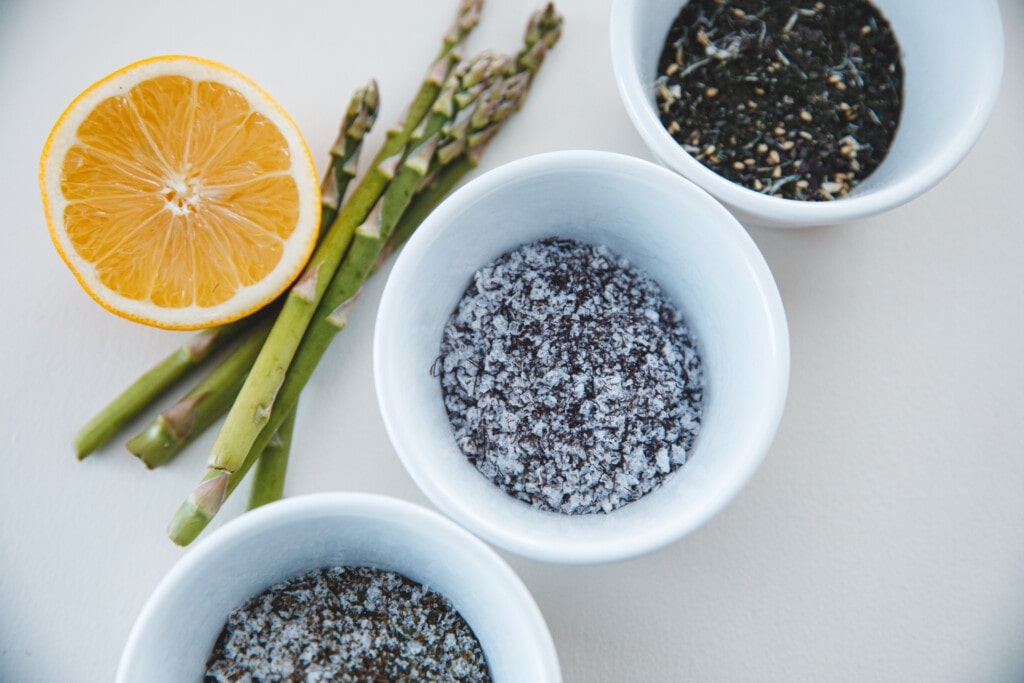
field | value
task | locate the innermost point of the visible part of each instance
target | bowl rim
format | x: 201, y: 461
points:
x: 295, y: 509
x: 575, y: 551
x: 792, y: 213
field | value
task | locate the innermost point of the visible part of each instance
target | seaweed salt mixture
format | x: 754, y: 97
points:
x: 569, y: 379
x: 793, y: 99
x: 347, y: 624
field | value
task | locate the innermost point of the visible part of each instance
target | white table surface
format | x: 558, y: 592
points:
x: 882, y: 539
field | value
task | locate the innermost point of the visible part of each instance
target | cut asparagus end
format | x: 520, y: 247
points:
x: 155, y: 445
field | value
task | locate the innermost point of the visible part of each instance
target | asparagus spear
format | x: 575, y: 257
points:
x: 331, y: 314
x: 253, y: 406
x: 359, y: 118
x: 268, y: 479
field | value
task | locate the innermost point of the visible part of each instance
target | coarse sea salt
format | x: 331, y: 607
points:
x: 569, y: 379
x: 351, y: 624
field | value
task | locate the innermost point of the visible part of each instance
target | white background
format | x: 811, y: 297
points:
x: 882, y: 539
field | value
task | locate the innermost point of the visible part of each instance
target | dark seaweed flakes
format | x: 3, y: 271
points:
x: 793, y: 99
x: 569, y: 379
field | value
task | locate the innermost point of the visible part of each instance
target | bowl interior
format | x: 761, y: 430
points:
x: 178, y: 627
x: 675, y: 232
x: 952, y: 59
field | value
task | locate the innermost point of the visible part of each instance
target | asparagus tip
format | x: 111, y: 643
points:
x: 361, y: 115
x: 542, y: 32
x: 466, y: 19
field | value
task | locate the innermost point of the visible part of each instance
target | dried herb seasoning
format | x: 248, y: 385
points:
x: 352, y: 624
x: 793, y: 99
x: 569, y: 379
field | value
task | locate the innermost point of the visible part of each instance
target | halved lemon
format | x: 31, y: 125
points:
x: 179, y: 193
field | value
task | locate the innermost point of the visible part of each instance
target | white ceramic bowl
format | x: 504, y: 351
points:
x: 666, y: 226
x: 178, y: 626
x: 952, y: 55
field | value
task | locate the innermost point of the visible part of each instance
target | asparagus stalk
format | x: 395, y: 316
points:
x: 253, y: 406
x: 332, y: 312
x: 268, y: 479
x: 152, y: 384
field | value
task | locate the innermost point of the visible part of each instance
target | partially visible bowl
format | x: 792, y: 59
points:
x: 952, y: 56
x: 666, y: 226
x: 179, y: 624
